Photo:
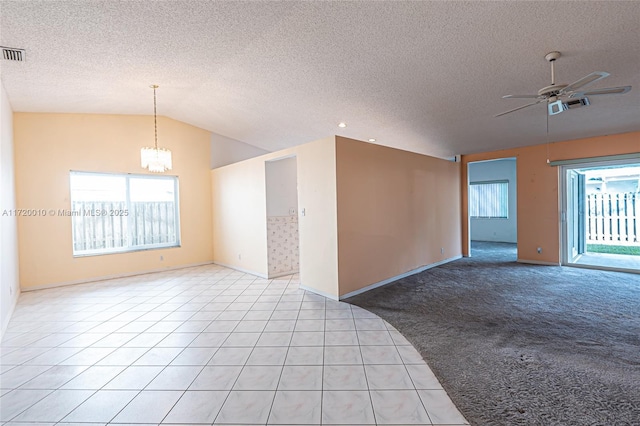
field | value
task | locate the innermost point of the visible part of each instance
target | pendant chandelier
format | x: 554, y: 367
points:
x: 157, y: 160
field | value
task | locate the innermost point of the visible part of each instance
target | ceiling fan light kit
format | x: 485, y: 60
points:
x: 562, y: 97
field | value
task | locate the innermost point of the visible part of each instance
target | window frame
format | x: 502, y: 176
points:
x: 485, y: 182
x: 130, y: 248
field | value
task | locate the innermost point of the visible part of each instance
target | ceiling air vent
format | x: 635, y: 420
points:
x: 11, y: 54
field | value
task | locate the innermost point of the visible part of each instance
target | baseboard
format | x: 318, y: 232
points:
x: 246, y: 271
x: 115, y: 276
x: 7, y: 318
x: 538, y: 262
x: 320, y: 293
x: 283, y: 274
x: 397, y: 277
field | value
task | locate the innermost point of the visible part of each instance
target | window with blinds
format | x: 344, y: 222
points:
x: 489, y: 200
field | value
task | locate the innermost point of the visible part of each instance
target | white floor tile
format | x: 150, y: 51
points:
x: 344, y: 377
x: 258, y: 377
x: 197, y: 407
x: 388, y: 377
x: 148, y: 407
x: 347, y: 407
x: 305, y: 355
x: 194, y: 356
x: 208, y: 345
x: 134, y: 378
x: 440, y: 408
x: 246, y: 407
x: 158, y: 356
x: 342, y: 355
x: 398, y: 407
x: 380, y: 355
x: 55, y: 406
x: 20, y: 375
x: 296, y: 408
x: 231, y: 356
x: 341, y: 338
x: 216, y: 377
x: 102, y: 406
x: 15, y: 402
x: 94, y: 378
x: 268, y: 356
x: 423, y: 377
x: 301, y: 377
x: 55, y: 377
x: 174, y: 378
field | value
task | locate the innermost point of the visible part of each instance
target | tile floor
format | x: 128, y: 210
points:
x: 209, y: 345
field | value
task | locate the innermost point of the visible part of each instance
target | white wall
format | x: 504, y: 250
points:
x: 498, y: 230
x: 282, y: 191
x: 282, y: 219
x: 225, y: 151
x: 9, y: 283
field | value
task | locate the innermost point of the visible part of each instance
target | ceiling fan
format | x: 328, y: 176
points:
x: 560, y: 97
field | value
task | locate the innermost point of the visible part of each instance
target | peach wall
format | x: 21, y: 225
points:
x: 538, y: 182
x: 397, y: 211
x: 239, y: 214
x: 48, y: 146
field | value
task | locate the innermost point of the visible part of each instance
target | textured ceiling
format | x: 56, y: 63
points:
x: 422, y: 76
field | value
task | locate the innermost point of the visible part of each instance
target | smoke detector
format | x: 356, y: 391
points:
x: 12, y: 54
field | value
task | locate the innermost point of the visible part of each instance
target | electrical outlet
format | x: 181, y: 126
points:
x: 161, y: 258
x: 441, y: 250
x: 239, y: 256
x: 539, y: 250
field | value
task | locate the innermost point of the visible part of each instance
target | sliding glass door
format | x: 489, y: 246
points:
x: 601, y: 215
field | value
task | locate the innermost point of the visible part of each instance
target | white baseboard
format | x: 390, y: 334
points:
x: 397, y: 277
x: 538, y: 262
x: 9, y: 314
x: 283, y: 274
x: 320, y: 293
x: 115, y: 276
x: 246, y: 271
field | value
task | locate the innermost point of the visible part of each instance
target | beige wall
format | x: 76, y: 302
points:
x: 538, y: 198
x: 239, y: 214
x: 396, y: 211
x: 9, y: 281
x: 48, y: 146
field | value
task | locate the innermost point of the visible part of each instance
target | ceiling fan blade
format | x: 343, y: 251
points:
x: 605, y: 91
x: 519, y: 108
x: 521, y: 97
x: 585, y: 81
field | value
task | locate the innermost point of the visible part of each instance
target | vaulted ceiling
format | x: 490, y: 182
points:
x: 421, y: 76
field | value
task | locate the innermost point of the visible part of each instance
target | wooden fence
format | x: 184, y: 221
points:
x: 613, y: 218
x: 110, y: 225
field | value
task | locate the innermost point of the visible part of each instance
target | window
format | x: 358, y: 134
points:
x: 489, y: 199
x: 114, y: 213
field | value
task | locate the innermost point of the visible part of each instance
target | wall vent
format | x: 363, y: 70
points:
x: 11, y: 54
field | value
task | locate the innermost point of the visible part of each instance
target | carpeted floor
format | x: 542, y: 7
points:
x: 517, y: 344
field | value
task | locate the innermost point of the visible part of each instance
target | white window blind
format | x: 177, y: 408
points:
x: 489, y: 199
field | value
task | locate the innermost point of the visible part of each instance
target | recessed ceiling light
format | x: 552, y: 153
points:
x: 342, y: 124
x: 372, y: 140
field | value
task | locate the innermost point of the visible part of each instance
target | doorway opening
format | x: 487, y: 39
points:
x: 493, y: 221
x: 601, y: 216
x: 282, y: 217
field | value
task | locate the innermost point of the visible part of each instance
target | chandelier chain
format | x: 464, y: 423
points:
x: 155, y: 115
